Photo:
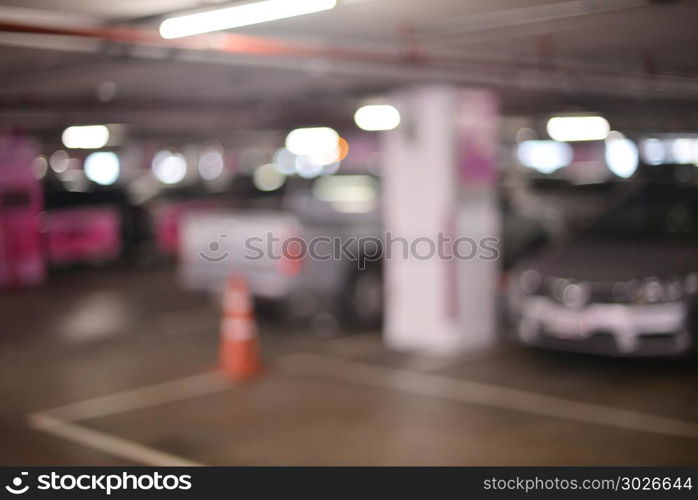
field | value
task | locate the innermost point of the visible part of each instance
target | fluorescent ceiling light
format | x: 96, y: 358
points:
x: 268, y: 178
x: 306, y: 141
x: 211, y: 164
x: 377, y: 117
x: 685, y: 150
x: 102, y: 167
x: 621, y: 156
x: 578, y: 128
x: 169, y: 167
x: 544, y: 156
x: 59, y: 161
x: 314, y: 147
x: 240, y: 15
x: 653, y: 151
x: 85, y: 137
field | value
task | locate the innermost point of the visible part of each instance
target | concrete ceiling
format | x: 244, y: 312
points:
x: 617, y: 56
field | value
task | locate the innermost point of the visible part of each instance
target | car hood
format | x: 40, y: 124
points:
x: 606, y: 261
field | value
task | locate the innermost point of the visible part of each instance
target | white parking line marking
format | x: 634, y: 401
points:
x: 488, y: 395
x: 143, y: 397
x: 112, y: 445
x: 60, y: 421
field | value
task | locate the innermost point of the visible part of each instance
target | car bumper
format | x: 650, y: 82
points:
x: 615, y: 329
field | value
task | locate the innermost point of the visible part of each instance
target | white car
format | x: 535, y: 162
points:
x: 627, y: 286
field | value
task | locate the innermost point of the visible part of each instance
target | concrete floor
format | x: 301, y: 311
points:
x: 91, y: 335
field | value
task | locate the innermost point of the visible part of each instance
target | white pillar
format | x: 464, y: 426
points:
x: 438, y: 182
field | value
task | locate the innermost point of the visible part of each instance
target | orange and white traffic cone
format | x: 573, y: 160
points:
x: 239, y: 348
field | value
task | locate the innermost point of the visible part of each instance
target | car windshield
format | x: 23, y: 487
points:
x: 661, y: 216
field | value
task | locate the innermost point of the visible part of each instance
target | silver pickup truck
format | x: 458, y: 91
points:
x: 315, y: 251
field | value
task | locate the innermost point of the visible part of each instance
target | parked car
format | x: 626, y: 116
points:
x: 249, y: 240
x: 626, y: 286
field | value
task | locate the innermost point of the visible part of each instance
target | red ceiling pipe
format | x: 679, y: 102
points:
x: 223, y: 42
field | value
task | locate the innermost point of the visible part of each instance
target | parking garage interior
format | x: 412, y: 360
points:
x: 351, y: 232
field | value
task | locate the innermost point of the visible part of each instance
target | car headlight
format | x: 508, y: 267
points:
x: 576, y: 295
x: 673, y: 289
x: 652, y: 290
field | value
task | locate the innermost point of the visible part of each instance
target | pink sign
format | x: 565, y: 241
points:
x: 21, y: 201
x: 477, y: 138
x: 83, y: 234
